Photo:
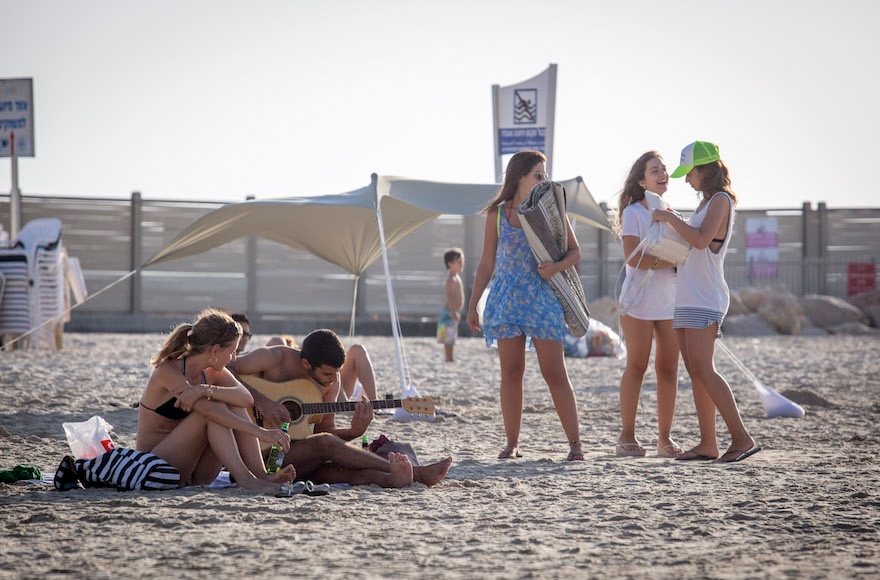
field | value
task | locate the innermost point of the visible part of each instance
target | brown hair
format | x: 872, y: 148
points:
x: 715, y: 177
x: 211, y: 327
x: 632, y: 191
x: 451, y: 255
x: 519, y: 165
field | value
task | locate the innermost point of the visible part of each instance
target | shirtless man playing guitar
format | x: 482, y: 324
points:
x: 325, y: 456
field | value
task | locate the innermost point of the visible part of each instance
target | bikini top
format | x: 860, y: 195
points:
x: 168, y: 409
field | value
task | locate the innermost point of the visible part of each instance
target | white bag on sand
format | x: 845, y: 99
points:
x: 89, y: 439
x: 404, y: 415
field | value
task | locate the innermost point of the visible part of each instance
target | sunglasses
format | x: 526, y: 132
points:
x: 542, y: 175
x: 246, y: 335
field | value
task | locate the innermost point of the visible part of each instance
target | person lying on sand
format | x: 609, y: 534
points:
x: 325, y: 456
x: 193, y: 412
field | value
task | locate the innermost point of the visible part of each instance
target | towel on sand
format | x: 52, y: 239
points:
x: 542, y: 215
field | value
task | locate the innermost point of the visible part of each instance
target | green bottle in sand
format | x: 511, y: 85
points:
x: 276, y: 454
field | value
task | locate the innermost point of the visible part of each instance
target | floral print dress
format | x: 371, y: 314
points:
x: 519, y: 301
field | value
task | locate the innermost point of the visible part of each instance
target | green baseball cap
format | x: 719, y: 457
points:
x: 697, y: 153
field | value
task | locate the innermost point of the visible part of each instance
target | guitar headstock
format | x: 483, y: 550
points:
x: 418, y: 405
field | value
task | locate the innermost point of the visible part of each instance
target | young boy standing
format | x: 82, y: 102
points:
x: 450, y: 315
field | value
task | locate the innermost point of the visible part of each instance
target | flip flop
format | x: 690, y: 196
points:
x: 694, y: 456
x: 741, y: 454
x: 621, y: 450
x: 291, y: 489
x: 317, y: 489
x: 669, y: 451
x: 510, y: 453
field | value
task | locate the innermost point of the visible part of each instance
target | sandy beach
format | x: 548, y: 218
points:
x: 807, y: 506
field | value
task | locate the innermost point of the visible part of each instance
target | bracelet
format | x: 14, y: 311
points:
x: 656, y: 263
x: 210, y: 394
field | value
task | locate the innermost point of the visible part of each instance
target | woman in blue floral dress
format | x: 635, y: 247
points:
x: 522, y: 305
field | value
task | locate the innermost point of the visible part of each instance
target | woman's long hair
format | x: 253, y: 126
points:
x: 211, y: 327
x: 715, y: 177
x: 632, y: 191
x: 519, y: 165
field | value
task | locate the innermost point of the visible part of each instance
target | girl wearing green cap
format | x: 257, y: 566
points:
x: 702, y: 298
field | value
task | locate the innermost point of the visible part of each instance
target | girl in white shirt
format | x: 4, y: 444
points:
x: 650, y: 318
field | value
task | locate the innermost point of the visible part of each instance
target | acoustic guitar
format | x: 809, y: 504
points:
x: 303, y: 401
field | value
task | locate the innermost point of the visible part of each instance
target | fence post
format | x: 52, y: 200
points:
x: 605, y: 289
x: 824, y: 239
x: 137, y: 252
x: 251, y: 271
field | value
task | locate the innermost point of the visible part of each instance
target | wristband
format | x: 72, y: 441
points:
x: 656, y: 263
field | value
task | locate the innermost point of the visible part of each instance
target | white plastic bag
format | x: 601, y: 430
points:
x: 89, y: 439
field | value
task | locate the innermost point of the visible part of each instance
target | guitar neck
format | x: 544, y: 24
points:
x: 348, y: 406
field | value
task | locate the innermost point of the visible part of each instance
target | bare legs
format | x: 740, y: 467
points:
x: 198, y: 448
x: 551, y: 360
x: 358, y: 367
x: 711, y: 391
x: 326, y: 458
x: 639, y: 335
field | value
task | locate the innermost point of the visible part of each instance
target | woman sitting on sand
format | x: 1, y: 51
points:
x: 193, y: 411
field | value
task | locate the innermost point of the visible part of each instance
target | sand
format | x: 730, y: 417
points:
x: 807, y: 506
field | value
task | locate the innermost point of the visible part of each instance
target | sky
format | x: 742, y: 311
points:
x: 218, y: 100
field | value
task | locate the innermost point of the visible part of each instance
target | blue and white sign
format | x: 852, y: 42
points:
x: 524, y: 114
x: 16, y: 117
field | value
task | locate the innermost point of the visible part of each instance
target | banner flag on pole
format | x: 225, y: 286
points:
x: 525, y: 114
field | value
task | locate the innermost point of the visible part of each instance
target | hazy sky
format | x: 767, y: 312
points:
x: 215, y: 99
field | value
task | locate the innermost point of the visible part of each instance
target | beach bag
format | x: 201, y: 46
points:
x: 88, y: 439
x: 127, y: 469
x: 662, y: 240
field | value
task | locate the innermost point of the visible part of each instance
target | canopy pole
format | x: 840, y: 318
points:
x: 391, y: 309
x: 354, y: 306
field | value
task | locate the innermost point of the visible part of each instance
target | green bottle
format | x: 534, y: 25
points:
x: 365, y: 442
x: 276, y: 454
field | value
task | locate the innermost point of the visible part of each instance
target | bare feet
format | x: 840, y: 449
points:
x: 286, y: 474
x: 510, y: 452
x: 433, y: 473
x: 401, y: 469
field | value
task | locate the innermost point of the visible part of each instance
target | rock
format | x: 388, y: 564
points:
x: 828, y: 311
x: 752, y: 298
x: 807, y: 397
x: 865, y: 299
x: 853, y: 329
x: 872, y: 313
x: 782, y: 310
x: 810, y: 329
x: 605, y: 310
x: 748, y: 325
x: 737, y: 306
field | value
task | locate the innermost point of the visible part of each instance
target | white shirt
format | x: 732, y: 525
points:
x: 659, y: 296
x: 701, y: 281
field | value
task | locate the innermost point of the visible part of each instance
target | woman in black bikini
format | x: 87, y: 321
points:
x: 193, y: 411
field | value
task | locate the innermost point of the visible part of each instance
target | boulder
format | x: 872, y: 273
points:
x: 606, y: 311
x: 737, y: 306
x: 782, y: 310
x: 872, y: 313
x: 865, y: 299
x: 748, y: 325
x: 853, y: 329
x: 828, y: 311
x: 752, y: 298
x: 810, y: 329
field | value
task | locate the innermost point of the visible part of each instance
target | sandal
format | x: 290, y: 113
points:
x: 510, y: 453
x: 575, y: 452
x: 65, y: 476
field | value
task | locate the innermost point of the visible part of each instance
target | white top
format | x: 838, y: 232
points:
x: 701, y: 281
x: 659, y: 300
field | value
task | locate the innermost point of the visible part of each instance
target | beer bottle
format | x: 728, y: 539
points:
x: 276, y: 453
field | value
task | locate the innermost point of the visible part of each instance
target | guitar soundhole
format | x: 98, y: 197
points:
x: 294, y: 409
